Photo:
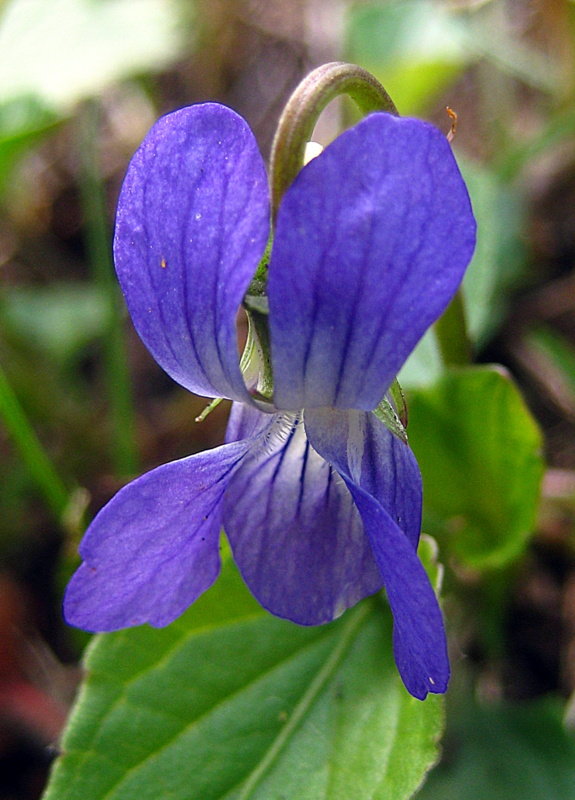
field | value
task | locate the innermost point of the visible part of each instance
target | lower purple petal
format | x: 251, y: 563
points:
x: 153, y: 549
x: 360, y: 446
x: 419, y: 643
x: 295, y: 532
x: 383, y: 478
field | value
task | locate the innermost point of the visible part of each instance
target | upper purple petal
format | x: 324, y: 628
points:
x: 153, y: 549
x: 372, y: 240
x: 384, y: 480
x: 294, y: 530
x: 192, y: 225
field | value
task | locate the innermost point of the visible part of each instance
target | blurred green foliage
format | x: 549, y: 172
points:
x: 507, y: 752
x: 414, y: 47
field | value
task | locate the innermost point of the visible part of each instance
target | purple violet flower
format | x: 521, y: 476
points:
x: 322, y: 506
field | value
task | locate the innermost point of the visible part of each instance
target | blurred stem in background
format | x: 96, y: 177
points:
x: 50, y: 484
x: 117, y: 379
x: 452, y: 337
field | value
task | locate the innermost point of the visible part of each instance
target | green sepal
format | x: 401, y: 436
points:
x: 386, y: 413
x: 398, y: 398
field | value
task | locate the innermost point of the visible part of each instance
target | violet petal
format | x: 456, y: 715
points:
x: 372, y: 241
x: 294, y: 530
x: 192, y: 225
x: 388, y: 495
x: 153, y: 549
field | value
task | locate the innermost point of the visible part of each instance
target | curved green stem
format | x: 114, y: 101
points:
x: 303, y: 109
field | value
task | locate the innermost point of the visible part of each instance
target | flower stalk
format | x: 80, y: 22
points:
x: 302, y: 112
x: 452, y: 336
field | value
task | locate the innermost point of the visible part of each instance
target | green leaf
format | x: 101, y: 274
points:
x: 479, y: 452
x: 519, y: 155
x: 230, y: 702
x: 506, y: 753
x: 30, y: 448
